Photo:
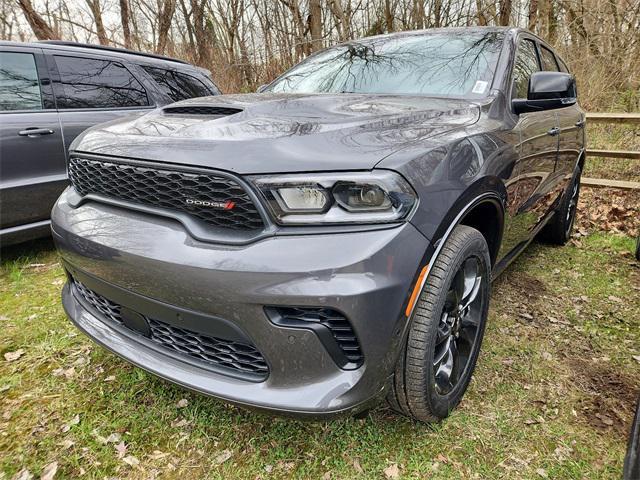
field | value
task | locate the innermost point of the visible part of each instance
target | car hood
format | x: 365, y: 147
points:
x: 275, y: 133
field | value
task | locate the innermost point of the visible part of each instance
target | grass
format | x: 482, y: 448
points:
x: 552, y: 395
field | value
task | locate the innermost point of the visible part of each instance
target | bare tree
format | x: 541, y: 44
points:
x: 125, y: 22
x: 41, y: 29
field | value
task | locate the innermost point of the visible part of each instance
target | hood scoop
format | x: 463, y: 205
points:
x: 201, y: 110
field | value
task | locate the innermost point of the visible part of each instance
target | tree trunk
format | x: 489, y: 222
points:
x: 388, y: 16
x: 94, y: 6
x: 40, y: 27
x: 164, y: 24
x: 124, y: 20
x: 505, y: 12
x: 315, y: 24
x: 533, y: 15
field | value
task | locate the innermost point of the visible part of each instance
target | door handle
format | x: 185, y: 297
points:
x: 580, y: 123
x: 33, y: 132
x: 553, y: 131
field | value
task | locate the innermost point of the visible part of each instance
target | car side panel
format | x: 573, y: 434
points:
x: 33, y: 167
x: 571, y: 122
x: 532, y: 190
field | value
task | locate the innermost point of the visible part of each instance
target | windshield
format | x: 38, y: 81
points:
x: 449, y: 64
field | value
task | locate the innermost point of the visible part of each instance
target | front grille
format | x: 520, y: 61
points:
x: 238, y: 356
x: 106, y: 307
x: 201, y: 110
x: 335, y: 321
x: 213, y: 199
x: 242, y: 357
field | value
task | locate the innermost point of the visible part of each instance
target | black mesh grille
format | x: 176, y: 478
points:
x: 223, y: 353
x: 238, y: 356
x: 213, y: 199
x: 335, y: 321
x: 200, y: 110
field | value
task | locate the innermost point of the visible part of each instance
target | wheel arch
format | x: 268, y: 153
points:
x: 481, y: 206
x: 486, y: 197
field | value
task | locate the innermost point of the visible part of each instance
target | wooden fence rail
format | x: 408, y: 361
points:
x: 626, y: 118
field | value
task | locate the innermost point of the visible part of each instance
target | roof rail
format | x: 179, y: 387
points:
x: 64, y: 43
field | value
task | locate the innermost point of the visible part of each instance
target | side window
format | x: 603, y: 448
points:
x: 563, y: 66
x: 548, y: 60
x: 92, y: 83
x: 526, y: 64
x: 19, y: 85
x: 176, y: 85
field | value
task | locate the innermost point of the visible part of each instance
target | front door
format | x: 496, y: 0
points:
x: 32, y: 155
x: 530, y: 189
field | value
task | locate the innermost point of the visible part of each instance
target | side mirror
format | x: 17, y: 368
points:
x: 547, y: 90
x: 262, y: 88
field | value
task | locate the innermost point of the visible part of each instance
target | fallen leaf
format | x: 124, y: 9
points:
x: 121, y: 449
x: 131, y: 460
x: 392, y: 471
x: 604, y: 419
x: 157, y: 455
x: 326, y: 476
x: 180, y: 423
x: 12, y: 356
x: 636, y: 358
x: 222, y: 457
x: 182, y: 403
x: 113, y: 438
x: 23, y: 474
x: 67, y: 444
x: 49, y: 471
x: 542, y: 472
x: 357, y: 466
x: 268, y: 468
x: 74, y: 421
x: 110, y: 378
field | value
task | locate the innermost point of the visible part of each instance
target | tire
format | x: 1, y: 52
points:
x: 558, y: 230
x: 461, y: 274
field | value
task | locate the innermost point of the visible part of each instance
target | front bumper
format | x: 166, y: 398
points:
x: 365, y: 275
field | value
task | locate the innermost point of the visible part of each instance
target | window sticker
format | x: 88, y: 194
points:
x: 480, y: 87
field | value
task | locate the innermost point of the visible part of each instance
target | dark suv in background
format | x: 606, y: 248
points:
x: 52, y: 91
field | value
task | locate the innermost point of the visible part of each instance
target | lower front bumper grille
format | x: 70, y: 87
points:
x: 207, y: 350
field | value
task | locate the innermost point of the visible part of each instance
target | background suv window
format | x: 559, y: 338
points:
x: 526, y: 64
x: 548, y: 60
x: 19, y: 85
x: 177, y: 86
x: 93, y: 83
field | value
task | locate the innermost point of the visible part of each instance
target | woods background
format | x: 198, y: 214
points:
x: 246, y: 43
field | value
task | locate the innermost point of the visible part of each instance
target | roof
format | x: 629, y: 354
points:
x: 78, y: 47
x: 107, y: 48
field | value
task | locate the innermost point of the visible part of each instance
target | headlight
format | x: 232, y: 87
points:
x: 334, y: 198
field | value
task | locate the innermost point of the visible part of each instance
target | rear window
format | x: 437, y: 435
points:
x: 19, y: 85
x: 93, y: 83
x: 177, y: 85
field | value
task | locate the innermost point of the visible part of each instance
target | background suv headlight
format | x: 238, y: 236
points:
x: 380, y: 196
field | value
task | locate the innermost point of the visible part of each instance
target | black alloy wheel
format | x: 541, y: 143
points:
x: 458, y: 328
x: 445, y: 330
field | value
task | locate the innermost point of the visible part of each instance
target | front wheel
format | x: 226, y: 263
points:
x: 445, y: 330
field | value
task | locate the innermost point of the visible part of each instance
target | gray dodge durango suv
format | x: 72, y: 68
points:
x: 332, y: 240
x: 52, y: 91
